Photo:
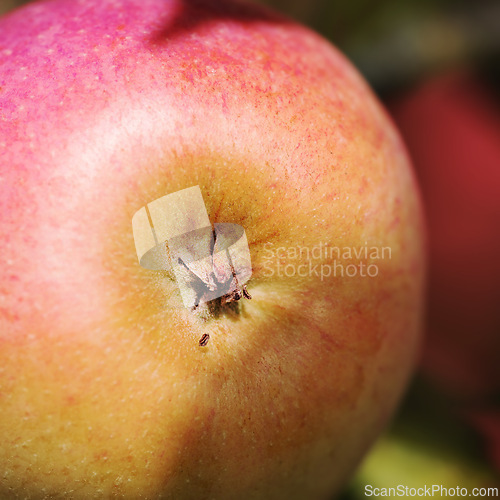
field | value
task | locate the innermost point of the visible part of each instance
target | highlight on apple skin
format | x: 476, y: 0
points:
x: 105, y: 390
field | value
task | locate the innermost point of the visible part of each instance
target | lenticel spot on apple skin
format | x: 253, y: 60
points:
x: 204, y: 339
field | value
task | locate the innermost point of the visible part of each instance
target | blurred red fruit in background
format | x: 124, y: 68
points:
x: 451, y: 125
x: 488, y: 424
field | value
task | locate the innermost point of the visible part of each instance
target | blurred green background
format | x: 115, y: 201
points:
x: 395, y: 42
x: 436, y: 66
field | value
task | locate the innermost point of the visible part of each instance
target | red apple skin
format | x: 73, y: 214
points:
x: 105, y: 392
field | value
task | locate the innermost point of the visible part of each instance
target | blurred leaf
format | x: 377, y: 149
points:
x: 428, y: 444
x: 396, y: 461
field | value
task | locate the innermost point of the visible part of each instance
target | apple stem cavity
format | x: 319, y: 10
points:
x: 227, y: 303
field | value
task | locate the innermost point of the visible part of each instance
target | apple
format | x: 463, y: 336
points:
x: 105, y: 390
